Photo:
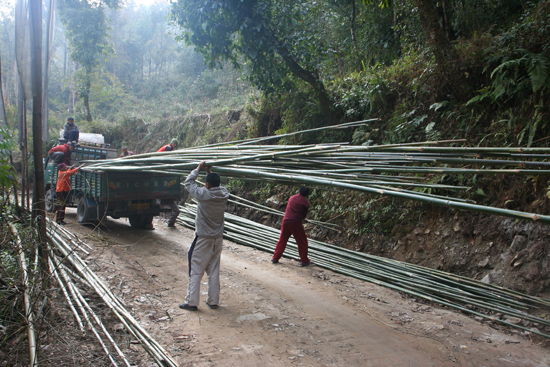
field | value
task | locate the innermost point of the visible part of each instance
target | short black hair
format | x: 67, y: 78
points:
x: 213, y: 179
x: 304, y: 191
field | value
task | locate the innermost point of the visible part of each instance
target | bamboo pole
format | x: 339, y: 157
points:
x: 161, y: 357
x: 402, y: 195
x: 55, y: 272
x: 29, y: 316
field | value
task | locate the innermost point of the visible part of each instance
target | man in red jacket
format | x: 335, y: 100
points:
x: 61, y: 153
x: 167, y: 148
x: 295, y: 214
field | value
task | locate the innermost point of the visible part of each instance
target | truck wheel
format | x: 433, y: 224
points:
x: 147, y: 222
x: 136, y: 221
x: 89, y: 211
x: 82, y: 210
x: 141, y: 221
x: 50, y: 200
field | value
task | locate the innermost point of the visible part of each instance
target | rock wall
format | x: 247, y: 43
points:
x: 497, y: 250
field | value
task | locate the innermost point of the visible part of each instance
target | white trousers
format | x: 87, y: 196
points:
x: 204, y: 256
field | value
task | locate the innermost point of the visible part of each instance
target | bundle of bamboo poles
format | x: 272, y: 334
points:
x: 69, y: 269
x: 461, y: 293
x: 404, y: 171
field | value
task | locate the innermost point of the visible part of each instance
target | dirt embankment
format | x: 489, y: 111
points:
x: 496, y: 250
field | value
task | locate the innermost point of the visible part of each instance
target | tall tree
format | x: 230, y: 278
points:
x: 444, y: 51
x: 261, y: 31
x: 87, y: 31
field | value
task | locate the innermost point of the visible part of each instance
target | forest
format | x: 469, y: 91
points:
x: 473, y: 70
x: 212, y: 71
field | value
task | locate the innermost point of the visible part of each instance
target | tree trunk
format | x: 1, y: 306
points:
x: 444, y: 52
x: 311, y: 79
x: 38, y: 199
x: 86, y: 97
x: 353, y: 36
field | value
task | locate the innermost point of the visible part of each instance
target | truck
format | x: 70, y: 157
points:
x: 139, y: 196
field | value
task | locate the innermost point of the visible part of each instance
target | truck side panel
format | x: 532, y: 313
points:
x: 143, y: 186
x: 89, y: 183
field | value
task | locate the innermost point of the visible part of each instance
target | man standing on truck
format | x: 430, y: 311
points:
x: 71, y: 132
x: 62, y: 190
x: 167, y: 148
x: 62, y: 153
x: 205, y: 251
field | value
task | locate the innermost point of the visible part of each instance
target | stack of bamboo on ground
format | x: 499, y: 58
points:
x: 69, y: 269
x: 406, y: 171
x: 468, y: 295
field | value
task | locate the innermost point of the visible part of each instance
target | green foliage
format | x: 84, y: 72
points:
x: 274, y: 39
x: 358, y: 214
x: 86, y: 28
x: 223, y: 30
x: 516, y: 64
x: 106, y: 92
x: 515, y: 76
x: 8, y: 175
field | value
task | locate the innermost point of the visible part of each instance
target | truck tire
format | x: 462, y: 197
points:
x: 141, y: 221
x: 147, y: 221
x: 83, y: 210
x: 50, y: 200
x: 89, y: 211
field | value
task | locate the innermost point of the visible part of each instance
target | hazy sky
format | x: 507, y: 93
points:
x: 6, y: 3
x: 6, y: 6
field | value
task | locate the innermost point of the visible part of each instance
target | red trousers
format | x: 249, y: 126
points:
x: 295, y: 229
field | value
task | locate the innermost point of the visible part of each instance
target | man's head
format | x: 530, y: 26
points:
x: 174, y: 143
x: 70, y: 120
x: 304, y: 191
x: 213, y: 180
x: 124, y: 149
x: 71, y: 145
x: 61, y: 167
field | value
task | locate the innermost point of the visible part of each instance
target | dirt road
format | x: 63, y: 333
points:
x: 286, y: 315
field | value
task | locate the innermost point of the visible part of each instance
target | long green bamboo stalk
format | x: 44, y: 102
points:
x: 402, y: 195
x: 66, y: 247
x: 29, y: 314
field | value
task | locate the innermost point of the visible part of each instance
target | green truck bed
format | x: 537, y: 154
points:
x: 97, y: 194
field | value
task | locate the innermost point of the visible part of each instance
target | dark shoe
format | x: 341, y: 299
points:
x: 274, y: 261
x: 62, y: 223
x: 185, y: 306
x: 211, y: 306
x: 306, y: 264
x: 172, y: 225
